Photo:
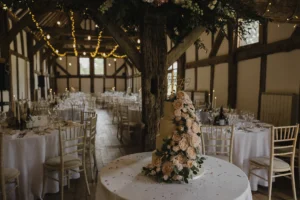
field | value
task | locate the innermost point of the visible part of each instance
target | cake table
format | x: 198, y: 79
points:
x: 122, y: 179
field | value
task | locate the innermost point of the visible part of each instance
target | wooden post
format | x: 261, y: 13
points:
x: 181, y: 71
x: 154, y: 74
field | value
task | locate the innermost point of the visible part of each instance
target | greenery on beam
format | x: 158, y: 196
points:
x: 182, y: 15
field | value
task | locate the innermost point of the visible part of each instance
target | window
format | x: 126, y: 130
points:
x: 99, y: 66
x: 84, y: 66
x: 172, y: 78
x: 251, y: 34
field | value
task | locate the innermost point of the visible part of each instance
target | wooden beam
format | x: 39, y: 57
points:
x: 208, y: 61
x: 12, y: 33
x: 118, y: 70
x: 175, y: 53
x: 62, y: 69
x: 38, y: 45
x: 121, y: 38
x: 216, y: 44
x: 79, y: 32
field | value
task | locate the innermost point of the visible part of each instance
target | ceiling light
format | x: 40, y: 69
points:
x: 58, y: 23
x: 115, y: 60
x: 70, y: 64
x: 109, y: 64
x: 60, y: 58
x: 48, y: 36
x: 138, y: 41
x: 56, y: 51
x: 96, y: 26
x: 74, y: 45
x: 84, y: 53
x: 89, y: 37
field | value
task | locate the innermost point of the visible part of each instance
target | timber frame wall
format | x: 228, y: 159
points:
x: 234, y: 56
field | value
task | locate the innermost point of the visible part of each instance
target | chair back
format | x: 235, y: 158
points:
x: 85, y: 116
x: 3, y: 187
x: 76, y: 110
x: 283, y: 142
x: 218, y: 140
x: 72, y: 140
x: 92, y: 130
x: 123, y: 109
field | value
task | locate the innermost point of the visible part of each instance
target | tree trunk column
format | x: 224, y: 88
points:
x: 154, y: 74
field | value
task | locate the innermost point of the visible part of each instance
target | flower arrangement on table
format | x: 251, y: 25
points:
x: 180, y: 155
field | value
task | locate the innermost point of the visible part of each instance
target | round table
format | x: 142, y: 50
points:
x: 28, y: 155
x: 122, y: 179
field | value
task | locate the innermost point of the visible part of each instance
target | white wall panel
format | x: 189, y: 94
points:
x: 248, y: 85
x: 190, y: 54
x: 203, y: 78
x: 61, y: 85
x: 73, y: 68
x: 25, y: 43
x: 98, y: 85
x: 206, y: 40
x: 121, y: 84
x: 19, y: 44
x: 283, y: 71
x: 14, y: 74
x: 74, y: 82
x: 221, y: 84
x: 275, y: 33
x: 189, y: 79
x: 86, y: 85
x: 109, y: 83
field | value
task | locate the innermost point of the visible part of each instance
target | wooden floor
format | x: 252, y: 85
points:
x: 108, y: 148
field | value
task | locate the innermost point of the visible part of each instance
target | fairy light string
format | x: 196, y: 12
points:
x: 94, y: 54
x: 73, y: 32
x: 44, y: 36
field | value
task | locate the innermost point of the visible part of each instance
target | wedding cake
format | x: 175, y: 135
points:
x: 178, y: 145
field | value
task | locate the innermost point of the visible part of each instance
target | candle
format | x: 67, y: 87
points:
x: 19, y: 115
x: 215, y: 102
x: 14, y: 106
x: 209, y: 98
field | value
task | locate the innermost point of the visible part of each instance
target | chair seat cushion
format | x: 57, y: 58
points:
x: 278, y: 164
x: 10, y: 174
x: 69, y: 161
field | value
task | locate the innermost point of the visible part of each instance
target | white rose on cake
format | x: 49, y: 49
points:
x: 195, y: 140
x: 177, y: 113
x: 189, y: 123
x: 183, y: 144
x: 178, y: 104
x: 191, y: 152
x: 196, y: 127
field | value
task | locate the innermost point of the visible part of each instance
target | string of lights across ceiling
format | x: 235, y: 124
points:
x: 94, y: 54
x: 73, y: 32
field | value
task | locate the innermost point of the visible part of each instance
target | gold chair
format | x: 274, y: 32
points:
x: 282, y: 138
x: 72, y: 140
x: 218, y: 141
x: 76, y: 110
x: 124, y: 123
x: 85, y: 116
x: 8, y: 176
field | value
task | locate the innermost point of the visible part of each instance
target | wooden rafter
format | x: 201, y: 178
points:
x: 175, y: 53
x: 217, y: 43
x: 121, y: 38
x: 119, y: 69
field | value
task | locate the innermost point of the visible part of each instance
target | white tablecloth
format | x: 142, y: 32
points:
x: 248, y: 145
x: 28, y: 155
x: 122, y: 179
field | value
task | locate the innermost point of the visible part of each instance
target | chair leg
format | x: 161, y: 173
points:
x: 270, y: 184
x: 61, y: 184
x: 18, y: 188
x: 95, y: 166
x: 91, y: 166
x: 293, y: 184
x: 86, y: 180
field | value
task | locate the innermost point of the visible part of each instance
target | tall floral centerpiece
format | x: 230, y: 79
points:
x: 179, y: 158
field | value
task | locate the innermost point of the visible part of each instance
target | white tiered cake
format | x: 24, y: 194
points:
x: 178, y: 145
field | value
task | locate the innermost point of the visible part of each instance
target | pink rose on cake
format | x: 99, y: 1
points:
x: 190, y: 163
x: 178, y: 104
x: 183, y: 144
x: 167, y: 168
x: 191, y: 153
x: 181, y: 95
x: 196, y: 127
x: 189, y: 123
x: 176, y: 137
x: 177, y: 113
x: 195, y: 140
x: 176, y: 148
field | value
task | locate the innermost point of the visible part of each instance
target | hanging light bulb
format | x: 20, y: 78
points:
x: 60, y: 58
x: 89, y: 37
x: 84, y: 53
x: 56, y: 51
x: 58, y: 23
x: 138, y: 41
x: 48, y: 36
x: 74, y: 45
x: 109, y: 64
x: 70, y: 64
x: 96, y: 26
x: 115, y: 60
